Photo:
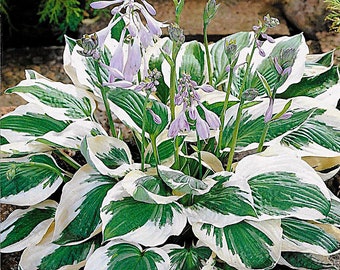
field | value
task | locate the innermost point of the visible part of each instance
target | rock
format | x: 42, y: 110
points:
x: 306, y: 16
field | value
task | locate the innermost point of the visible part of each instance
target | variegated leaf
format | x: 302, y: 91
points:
x: 219, y: 57
x: 110, y: 156
x: 313, y: 86
x: 191, y: 58
x: 58, y: 100
x: 310, y: 130
x: 122, y: 255
x: 182, y: 258
x: 25, y: 227
x: 303, y: 236
x: 244, y: 245
x: 283, y: 185
x: 184, y: 184
x: 318, y: 63
x: 305, y: 261
x: 47, y: 255
x: 128, y: 106
x: 265, y: 66
x: 147, y: 188
x: 29, y: 180
x: 145, y: 223
x: 27, y: 122
x: 333, y: 216
x: 72, y: 136
x: 80, y: 204
x: 227, y: 202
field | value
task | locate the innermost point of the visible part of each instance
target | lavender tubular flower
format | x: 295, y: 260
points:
x: 202, y: 128
x: 104, y: 4
x: 179, y: 124
x: 211, y: 118
x: 269, y: 112
x: 155, y: 117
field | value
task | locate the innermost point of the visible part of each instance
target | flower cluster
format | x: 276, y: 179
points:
x: 189, y: 98
x: 260, y: 31
x: 130, y: 10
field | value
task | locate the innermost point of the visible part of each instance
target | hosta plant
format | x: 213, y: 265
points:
x: 232, y: 143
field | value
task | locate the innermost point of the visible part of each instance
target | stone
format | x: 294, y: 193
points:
x: 307, y: 16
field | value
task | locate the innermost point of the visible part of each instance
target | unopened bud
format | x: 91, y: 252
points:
x: 270, y: 22
x: 176, y: 34
x: 250, y: 94
x: 89, y: 43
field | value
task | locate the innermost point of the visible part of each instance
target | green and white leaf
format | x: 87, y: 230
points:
x: 27, y: 122
x: 318, y: 63
x: 303, y: 261
x: 147, y: 224
x: 244, y: 245
x: 185, y: 184
x: 284, y: 186
x: 25, y: 227
x: 78, y: 214
x: 219, y: 58
x: 122, y: 255
x: 72, y: 136
x: 28, y: 180
x: 20, y: 149
x: 227, y: 202
x: 110, y: 156
x: 191, y: 61
x: 302, y: 236
x: 309, y: 131
x: 128, y: 106
x: 315, y: 86
x: 165, y: 148
x: 181, y: 258
x: 147, y: 188
x: 47, y: 255
x: 58, y: 100
x: 333, y: 216
x: 265, y: 65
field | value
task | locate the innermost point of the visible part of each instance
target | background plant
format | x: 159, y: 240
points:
x: 178, y: 203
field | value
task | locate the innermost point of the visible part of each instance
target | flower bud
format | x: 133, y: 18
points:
x: 270, y: 22
x: 89, y: 43
x: 209, y: 11
x: 250, y: 94
x: 176, y: 34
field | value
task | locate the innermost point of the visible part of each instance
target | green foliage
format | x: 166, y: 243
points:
x: 334, y: 16
x: 174, y: 201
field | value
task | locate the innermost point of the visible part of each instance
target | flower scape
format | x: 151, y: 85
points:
x: 232, y: 144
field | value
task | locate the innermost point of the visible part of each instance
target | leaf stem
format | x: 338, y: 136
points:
x: 239, y: 111
x: 144, y: 121
x: 154, y: 148
x: 224, y: 109
x: 103, y: 91
x: 263, y: 137
x: 205, y: 34
x: 199, y: 146
x: 70, y: 161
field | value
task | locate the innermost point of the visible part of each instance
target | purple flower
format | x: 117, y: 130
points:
x: 133, y: 61
x: 155, y: 117
x: 179, y: 124
x: 211, y: 118
x: 104, y: 4
x: 202, y: 128
x: 267, y: 37
x: 269, y: 113
x: 193, y: 112
x: 207, y: 88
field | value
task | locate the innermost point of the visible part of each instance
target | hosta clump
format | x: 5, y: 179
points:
x: 191, y: 201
